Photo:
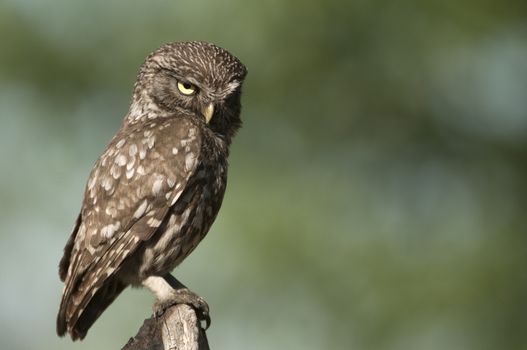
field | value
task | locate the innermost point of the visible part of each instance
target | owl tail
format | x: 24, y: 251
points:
x: 78, y: 318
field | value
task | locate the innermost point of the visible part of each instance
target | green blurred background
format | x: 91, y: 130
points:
x: 377, y: 190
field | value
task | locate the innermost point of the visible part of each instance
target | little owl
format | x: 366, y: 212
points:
x: 155, y: 191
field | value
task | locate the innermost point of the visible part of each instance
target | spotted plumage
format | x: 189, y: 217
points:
x: 155, y: 191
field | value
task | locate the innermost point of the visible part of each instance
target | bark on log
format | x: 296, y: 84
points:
x: 178, y: 328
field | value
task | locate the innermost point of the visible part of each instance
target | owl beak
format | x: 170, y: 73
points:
x: 207, y: 112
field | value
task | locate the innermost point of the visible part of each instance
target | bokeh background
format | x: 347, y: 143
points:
x: 377, y: 191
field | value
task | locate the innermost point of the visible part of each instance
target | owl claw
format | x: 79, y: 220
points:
x: 185, y: 296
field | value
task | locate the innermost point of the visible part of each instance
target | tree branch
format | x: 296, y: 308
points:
x: 178, y: 328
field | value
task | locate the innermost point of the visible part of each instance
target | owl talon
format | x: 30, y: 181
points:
x: 185, y: 296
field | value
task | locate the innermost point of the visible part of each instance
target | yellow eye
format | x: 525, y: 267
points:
x: 186, y: 88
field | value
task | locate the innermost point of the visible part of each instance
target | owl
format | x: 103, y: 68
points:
x: 155, y: 191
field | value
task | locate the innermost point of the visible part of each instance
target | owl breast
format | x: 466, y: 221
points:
x: 191, y: 217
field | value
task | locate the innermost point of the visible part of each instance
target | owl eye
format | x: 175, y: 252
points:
x: 186, y: 88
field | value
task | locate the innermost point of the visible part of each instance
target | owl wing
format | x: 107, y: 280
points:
x: 138, y: 178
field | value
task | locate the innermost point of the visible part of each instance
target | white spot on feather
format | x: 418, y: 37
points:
x: 141, y: 210
x: 185, y: 215
x: 92, y: 182
x: 156, y: 187
x: 174, y: 200
x: 107, y: 183
x: 120, y: 160
x: 130, y: 173
x: 190, y: 160
x: 151, y: 141
x: 130, y: 164
x: 135, y: 111
x: 153, y: 222
x: 233, y: 85
x: 115, y: 171
x: 132, y: 151
x: 111, y: 211
x: 108, y: 230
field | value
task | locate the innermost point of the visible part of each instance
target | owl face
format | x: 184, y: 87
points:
x: 196, y: 78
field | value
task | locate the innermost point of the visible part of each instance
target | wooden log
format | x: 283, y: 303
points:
x: 177, y: 329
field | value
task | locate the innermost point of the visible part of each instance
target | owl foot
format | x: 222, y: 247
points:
x: 184, y: 296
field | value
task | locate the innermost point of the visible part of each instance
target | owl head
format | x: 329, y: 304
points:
x: 197, y: 79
